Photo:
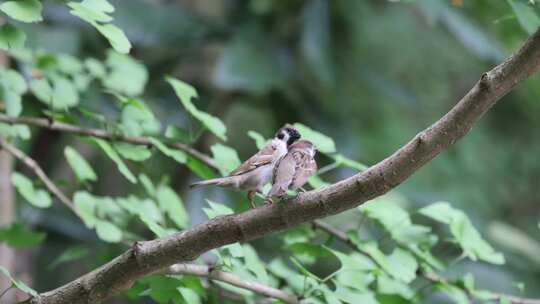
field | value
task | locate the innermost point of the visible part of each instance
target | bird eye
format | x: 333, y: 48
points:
x: 280, y: 136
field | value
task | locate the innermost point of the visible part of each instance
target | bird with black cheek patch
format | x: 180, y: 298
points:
x: 255, y: 172
x: 293, y: 170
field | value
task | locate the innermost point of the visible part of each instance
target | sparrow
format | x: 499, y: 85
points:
x: 293, y: 170
x: 255, y: 172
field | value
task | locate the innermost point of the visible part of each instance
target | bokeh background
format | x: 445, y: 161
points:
x: 369, y: 73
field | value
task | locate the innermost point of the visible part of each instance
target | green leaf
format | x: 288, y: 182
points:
x: 156, y: 228
x: 254, y: 264
x: 216, y: 210
x: 281, y: 270
x: 13, y: 81
x: 226, y: 158
x: 502, y: 300
x: 307, y: 252
x: 426, y: 256
x: 300, y: 234
x: 171, y: 203
x: 456, y: 294
x: 13, y: 103
x: 35, y: 196
x: 15, y: 131
x: 108, y: 232
x: 17, y: 235
x: 372, y: 250
x: 42, y: 89
x: 386, y: 211
x: 95, y: 67
x: 316, y: 182
x: 23, y: 10
x: 18, y: 284
x: 86, y: 206
x: 69, y: 64
x: 329, y: 296
x: 13, y: 85
x: 190, y: 296
x: 303, y: 270
x: 356, y: 279
x: 179, y: 134
x: 86, y: 11
x: 200, y: 168
x: 260, y: 141
x: 186, y: 93
x: 116, y: 37
x: 403, y: 265
x: 137, y: 119
x: 133, y: 152
x: 164, y: 289
x: 353, y: 261
x: 147, y: 184
x: 322, y: 142
x: 111, y: 153
x: 351, y: 296
x: 526, y: 15
x: 82, y: 169
x: 127, y: 76
x: 178, y: 155
x: 11, y: 37
x: 137, y: 206
x: 69, y: 255
x: 64, y: 94
x: 347, y: 162
x: 96, y: 13
x: 386, y: 285
x: 470, y: 240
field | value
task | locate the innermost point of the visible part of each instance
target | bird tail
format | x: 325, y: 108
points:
x: 221, y: 181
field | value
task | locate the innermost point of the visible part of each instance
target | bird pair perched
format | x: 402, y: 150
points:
x: 286, y: 162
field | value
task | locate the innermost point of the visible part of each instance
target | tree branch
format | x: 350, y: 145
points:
x: 98, y: 133
x: 212, y: 274
x: 150, y: 256
x: 33, y: 165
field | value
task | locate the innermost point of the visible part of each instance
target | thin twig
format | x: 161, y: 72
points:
x: 5, y: 291
x: 212, y: 274
x: 33, y: 165
x: 98, y: 133
x: 431, y: 277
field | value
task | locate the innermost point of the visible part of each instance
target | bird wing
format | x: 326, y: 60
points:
x: 263, y: 157
x: 306, y: 167
x: 283, y: 174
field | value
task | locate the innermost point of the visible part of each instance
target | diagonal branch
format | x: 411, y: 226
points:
x: 150, y: 256
x: 33, y: 165
x: 98, y: 133
x: 212, y: 274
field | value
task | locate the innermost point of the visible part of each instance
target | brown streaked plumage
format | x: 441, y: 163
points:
x: 293, y: 170
x: 255, y: 172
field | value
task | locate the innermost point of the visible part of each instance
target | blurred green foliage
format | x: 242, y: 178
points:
x: 358, y: 78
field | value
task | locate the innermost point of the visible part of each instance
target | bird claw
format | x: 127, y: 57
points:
x: 268, y: 200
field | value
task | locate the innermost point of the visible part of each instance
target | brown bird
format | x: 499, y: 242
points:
x: 293, y: 170
x: 255, y: 172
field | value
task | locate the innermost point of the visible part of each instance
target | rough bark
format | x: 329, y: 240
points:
x: 147, y: 257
